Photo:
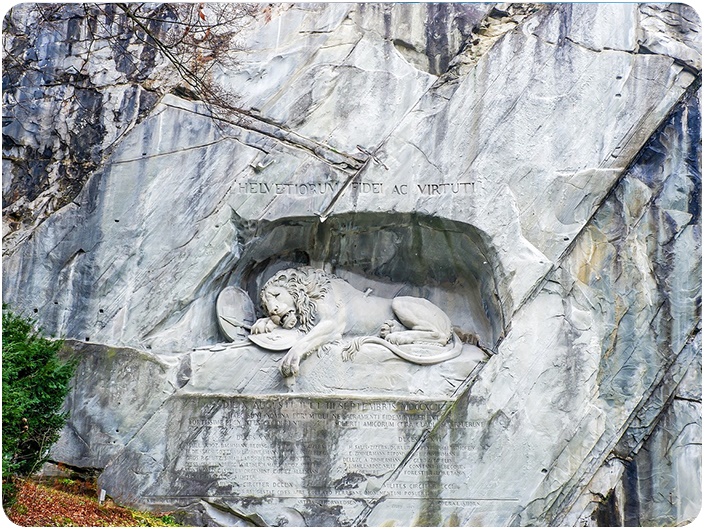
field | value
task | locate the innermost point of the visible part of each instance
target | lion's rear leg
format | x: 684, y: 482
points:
x: 424, y: 322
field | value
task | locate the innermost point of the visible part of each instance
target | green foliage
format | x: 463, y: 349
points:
x: 145, y: 519
x: 34, y: 385
x: 63, y: 521
x: 169, y: 520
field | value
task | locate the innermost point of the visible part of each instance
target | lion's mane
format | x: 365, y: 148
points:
x: 306, y: 285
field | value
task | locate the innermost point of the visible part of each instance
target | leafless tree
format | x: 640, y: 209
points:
x: 194, y: 38
x: 50, y: 53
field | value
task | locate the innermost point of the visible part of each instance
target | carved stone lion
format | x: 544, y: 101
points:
x: 326, y: 308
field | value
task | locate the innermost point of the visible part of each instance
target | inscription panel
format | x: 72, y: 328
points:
x: 292, y: 456
x: 298, y: 447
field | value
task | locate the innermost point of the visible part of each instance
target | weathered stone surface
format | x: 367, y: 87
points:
x: 533, y: 170
x: 650, y: 458
x: 644, y: 313
x: 675, y: 468
x: 72, y: 88
x: 119, y: 390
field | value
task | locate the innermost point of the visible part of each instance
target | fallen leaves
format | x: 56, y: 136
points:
x: 38, y: 505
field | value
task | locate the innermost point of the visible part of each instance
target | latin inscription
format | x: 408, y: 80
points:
x: 327, y: 448
x: 311, y: 188
x: 365, y: 188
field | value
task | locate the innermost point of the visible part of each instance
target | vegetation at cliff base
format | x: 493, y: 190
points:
x: 35, y: 382
x: 65, y: 502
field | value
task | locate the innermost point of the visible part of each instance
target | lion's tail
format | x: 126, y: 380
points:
x: 349, y: 350
x: 352, y: 348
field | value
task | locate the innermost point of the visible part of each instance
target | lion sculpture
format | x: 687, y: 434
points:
x: 325, y: 308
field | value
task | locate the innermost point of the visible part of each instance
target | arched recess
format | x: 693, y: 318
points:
x: 447, y: 262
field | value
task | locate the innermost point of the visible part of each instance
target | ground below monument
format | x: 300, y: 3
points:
x: 56, y: 502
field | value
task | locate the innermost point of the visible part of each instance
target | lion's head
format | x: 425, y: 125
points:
x: 306, y: 285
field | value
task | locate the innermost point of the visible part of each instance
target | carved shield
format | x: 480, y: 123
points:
x: 235, y: 312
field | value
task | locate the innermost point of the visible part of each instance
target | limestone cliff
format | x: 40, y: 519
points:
x: 534, y: 169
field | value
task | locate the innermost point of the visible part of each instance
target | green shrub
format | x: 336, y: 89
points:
x: 34, y: 384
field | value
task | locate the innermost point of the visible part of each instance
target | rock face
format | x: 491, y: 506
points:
x: 533, y: 170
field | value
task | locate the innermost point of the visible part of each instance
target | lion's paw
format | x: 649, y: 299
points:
x: 263, y: 325
x: 399, y: 338
x: 290, y: 364
x: 388, y: 328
